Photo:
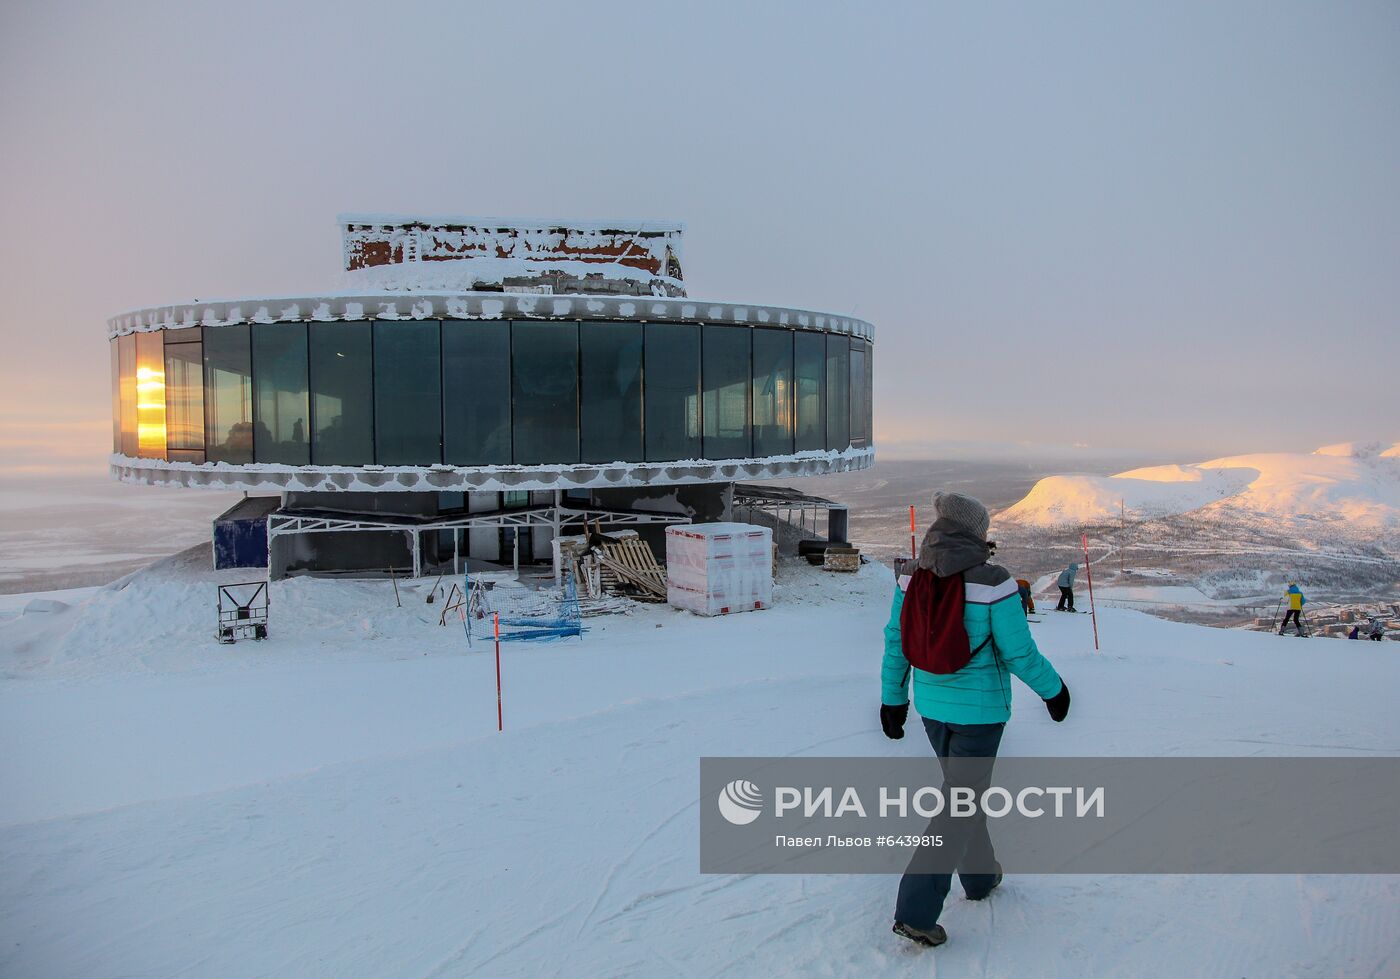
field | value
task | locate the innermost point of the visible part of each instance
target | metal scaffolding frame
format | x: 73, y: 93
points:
x: 555, y: 516
x: 782, y: 503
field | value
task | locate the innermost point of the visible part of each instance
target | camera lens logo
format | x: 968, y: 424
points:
x: 740, y: 802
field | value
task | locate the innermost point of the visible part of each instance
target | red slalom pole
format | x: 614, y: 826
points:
x: 1089, y: 572
x: 913, y: 537
x: 500, y: 723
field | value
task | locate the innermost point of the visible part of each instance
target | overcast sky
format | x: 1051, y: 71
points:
x: 1157, y: 227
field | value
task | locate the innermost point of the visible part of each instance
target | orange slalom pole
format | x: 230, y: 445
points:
x: 500, y: 723
x: 1089, y: 572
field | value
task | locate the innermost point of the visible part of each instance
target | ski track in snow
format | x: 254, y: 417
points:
x: 337, y: 802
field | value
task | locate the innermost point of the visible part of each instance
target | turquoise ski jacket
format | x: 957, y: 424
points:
x: 979, y: 693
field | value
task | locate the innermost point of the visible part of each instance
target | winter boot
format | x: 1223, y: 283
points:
x: 931, y: 938
x: 996, y: 882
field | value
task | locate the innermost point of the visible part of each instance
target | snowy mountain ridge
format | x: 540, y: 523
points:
x: 1353, y: 483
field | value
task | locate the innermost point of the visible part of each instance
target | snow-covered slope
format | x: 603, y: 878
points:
x: 336, y: 801
x: 1360, y: 450
x: 1351, y: 483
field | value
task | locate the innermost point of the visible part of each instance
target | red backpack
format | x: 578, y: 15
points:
x: 931, y: 629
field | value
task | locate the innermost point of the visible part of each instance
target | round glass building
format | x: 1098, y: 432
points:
x: 488, y: 356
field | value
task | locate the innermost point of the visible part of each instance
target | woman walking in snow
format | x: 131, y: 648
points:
x: 964, y: 710
x: 1066, y: 582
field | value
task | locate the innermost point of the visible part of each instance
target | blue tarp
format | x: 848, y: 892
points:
x: 240, y: 533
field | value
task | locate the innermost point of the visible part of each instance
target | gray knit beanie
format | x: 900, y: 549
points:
x: 963, y: 512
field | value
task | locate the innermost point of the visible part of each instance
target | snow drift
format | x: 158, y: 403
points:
x: 336, y: 801
x: 1353, y: 483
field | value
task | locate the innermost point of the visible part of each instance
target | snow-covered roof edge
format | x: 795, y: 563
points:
x: 436, y: 478
x: 394, y: 305
x: 635, y: 225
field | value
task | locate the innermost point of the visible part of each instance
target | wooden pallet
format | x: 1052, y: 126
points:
x: 587, y: 576
x: 607, y: 605
x: 632, y: 562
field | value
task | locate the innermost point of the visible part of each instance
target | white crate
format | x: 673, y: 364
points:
x: 719, y: 568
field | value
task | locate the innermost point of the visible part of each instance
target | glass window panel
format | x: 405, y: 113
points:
x: 810, y: 371
x: 838, y: 391
x: 126, y: 356
x: 115, y: 346
x: 150, y: 396
x: 228, y: 394
x: 407, y: 392
x: 858, y: 422
x: 672, y: 380
x: 342, y: 394
x: 725, y: 367
x: 517, y: 544
x: 280, y: 404
x: 611, y: 396
x: 870, y: 392
x: 476, y: 392
x: 544, y: 392
x: 772, y: 392
x: 184, y: 396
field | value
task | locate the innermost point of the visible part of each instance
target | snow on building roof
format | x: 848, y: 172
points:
x: 633, y: 225
x: 397, y: 305
x: 415, y: 253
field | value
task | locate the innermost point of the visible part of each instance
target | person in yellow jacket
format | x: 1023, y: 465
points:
x: 1296, y: 601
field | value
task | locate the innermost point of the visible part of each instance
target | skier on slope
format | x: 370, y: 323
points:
x: 1066, y: 583
x: 1027, y: 600
x: 1377, y: 632
x: 1296, y: 601
x: 953, y: 591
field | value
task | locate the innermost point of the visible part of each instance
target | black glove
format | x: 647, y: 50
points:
x: 892, y: 720
x: 1058, y: 705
